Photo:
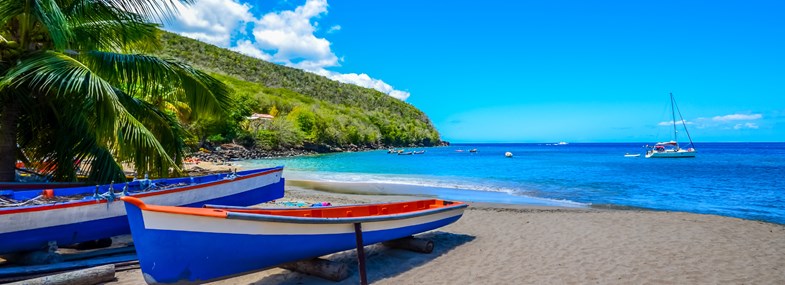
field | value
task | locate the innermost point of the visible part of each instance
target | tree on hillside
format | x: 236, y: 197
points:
x: 73, y: 79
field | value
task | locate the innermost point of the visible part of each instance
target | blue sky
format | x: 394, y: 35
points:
x: 532, y: 71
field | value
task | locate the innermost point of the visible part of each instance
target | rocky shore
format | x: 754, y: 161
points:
x: 235, y: 152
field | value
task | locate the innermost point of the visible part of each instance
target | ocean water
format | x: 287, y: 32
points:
x: 744, y: 180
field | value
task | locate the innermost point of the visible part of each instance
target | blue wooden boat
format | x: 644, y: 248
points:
x: 91, y: 213
x: 196, y: 245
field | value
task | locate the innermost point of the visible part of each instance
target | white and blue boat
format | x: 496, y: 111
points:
x: 180, y: 245
x: 671, y: 149
x: 72, y: 215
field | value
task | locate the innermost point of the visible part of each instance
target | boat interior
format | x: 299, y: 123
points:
x: 367, y: 210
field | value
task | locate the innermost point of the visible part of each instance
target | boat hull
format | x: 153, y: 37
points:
x: 671, y: 154
x: 33, y: 228
x: 185, y: 249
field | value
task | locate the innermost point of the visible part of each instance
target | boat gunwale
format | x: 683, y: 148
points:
x: 228, y: 214
x: 343, y: 220
x: 248, y: 209
x: 79, y: 203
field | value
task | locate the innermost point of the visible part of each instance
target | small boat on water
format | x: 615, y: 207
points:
x: 406, y: 153
x: 197, y: 245
x: 32, y: 219
x: 632, y: 155
x: 418, y: 152
x: 508, y: 154
x: 672, y: 149
x: 473, y: 150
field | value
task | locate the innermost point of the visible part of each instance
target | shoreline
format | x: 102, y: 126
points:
x: 502, y: 199
x: 231, y: 152
x: 465, y: 195
x: 518, y: 244
x: 393, y: 189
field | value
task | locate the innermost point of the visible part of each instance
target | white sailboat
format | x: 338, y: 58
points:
x: 671, y: 149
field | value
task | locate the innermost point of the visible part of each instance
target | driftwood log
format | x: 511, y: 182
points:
x: 89, y: 276
x: 411, y: 243
x: 323, y: 268
x: 11, y: 271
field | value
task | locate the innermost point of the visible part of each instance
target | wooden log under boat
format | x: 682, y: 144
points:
x: 412, y: 244
x: 89, y: 276
x: 319, y: 267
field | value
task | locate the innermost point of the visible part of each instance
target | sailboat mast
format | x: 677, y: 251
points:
x: 673, y: 116
x: 683, y: 123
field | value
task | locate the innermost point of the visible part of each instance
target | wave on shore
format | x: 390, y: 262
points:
x: 349, y: 183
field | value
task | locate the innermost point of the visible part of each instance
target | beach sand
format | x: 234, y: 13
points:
x: 507, y: 244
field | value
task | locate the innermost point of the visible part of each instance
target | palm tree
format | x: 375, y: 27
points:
x: 73, y: 76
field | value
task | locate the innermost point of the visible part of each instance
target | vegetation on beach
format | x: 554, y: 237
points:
x: 301, y: 119
x: 309, y: 108
x: 79, y: 90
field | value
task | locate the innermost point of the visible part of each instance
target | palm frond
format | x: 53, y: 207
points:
x: 155, y: 10
x: 10, y: 9
x: 164, y: 127
x: 121, y: 36
x: 100, y: 26
x: 52, y: 18
x: 57, y: 137
x: 73, y: 91
x: 153, y: 76
x: 103, y: 168
x: 137, y: 142
x: 55, y: 74
x: 204, y: 94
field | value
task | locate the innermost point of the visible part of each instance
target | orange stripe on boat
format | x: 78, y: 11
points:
x: 355, y: 210
x: 175, y: 210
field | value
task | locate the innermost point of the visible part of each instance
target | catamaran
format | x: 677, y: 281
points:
x: 671, y: 149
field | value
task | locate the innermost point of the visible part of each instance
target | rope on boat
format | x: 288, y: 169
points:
x: 12, y: 203
x: 110, y: 195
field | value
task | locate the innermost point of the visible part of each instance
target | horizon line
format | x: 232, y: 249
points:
x: 555, y: 142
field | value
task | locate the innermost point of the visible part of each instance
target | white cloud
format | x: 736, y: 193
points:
x: 246, y: 47
x: 402, y: 95
x: 670, y: 123
x: 735, y: 121
x: 745, y: 126
x: 211, y: 21
x: 284, y: 37
x: 737, y: 117
x: 365, y: 81
x: 334, y: 29
x: 289, y: 35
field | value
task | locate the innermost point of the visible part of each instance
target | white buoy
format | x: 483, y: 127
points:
x: 508, y: 154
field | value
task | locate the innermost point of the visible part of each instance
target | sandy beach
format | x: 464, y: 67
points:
x: 594, y: 142
x: 509, y: 244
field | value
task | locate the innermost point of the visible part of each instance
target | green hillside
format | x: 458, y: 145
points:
x: 309, y: 109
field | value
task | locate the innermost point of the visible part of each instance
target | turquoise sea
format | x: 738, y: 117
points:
x: 744, y: 180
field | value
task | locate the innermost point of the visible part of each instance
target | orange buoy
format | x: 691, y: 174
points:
x: 48, y: 193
